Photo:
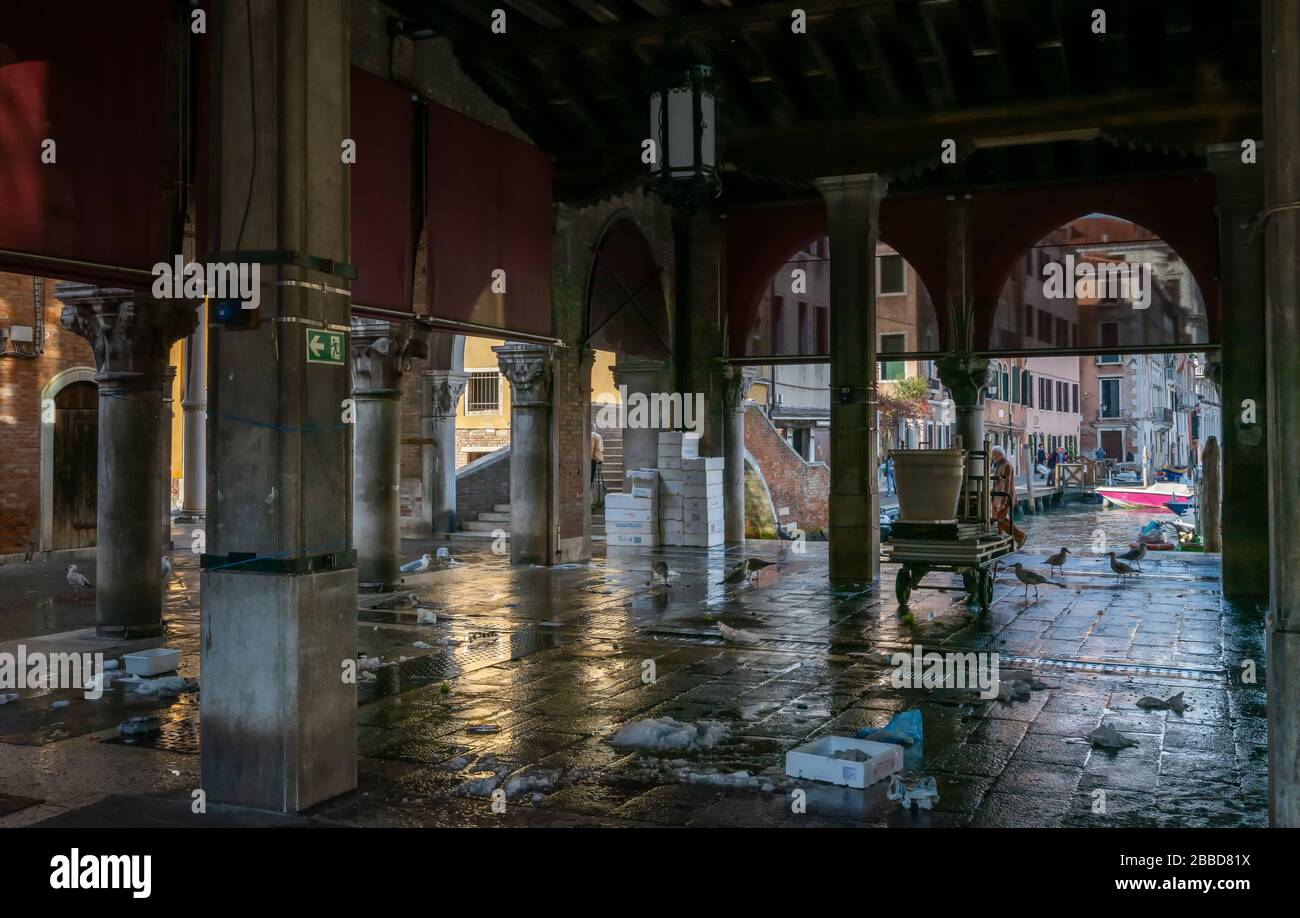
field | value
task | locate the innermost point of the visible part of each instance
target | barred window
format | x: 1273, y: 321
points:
x: 483, y: 394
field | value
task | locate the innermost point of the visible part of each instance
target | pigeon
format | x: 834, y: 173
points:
x: 1057, y: 560
x: 1107, y: 737
x: 1028, y: 578
x: 738, y: 574
x: 1121, y: 569
x: 1173, y: 703
x: 757, y: 564
x: 660, y: 569
x: 78, y: 582
x: 1135, y: 554
x: 418, y: 567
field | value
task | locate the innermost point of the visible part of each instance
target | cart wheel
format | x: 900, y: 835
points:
x: 987, y: 590
x: 970, y: 582
x: 903, y: 586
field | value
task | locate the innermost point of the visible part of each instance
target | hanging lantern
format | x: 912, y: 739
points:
x: 683, y: 126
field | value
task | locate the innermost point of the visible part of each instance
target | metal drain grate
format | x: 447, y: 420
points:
x: 1145, y: 669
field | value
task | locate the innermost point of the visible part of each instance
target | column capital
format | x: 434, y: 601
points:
x: 736, y: 381
x: 380, y: 353
x: 130, y: 331
x: 529, y: 368
x: 442, y: 389
x: 868, y: 186
x: 967, y: 378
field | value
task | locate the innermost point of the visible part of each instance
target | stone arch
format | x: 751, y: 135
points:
x: 626, y: 310
x: 56, y: 384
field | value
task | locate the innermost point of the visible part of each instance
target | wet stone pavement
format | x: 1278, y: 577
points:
x: 528, y: 674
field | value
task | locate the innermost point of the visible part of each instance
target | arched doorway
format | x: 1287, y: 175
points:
x: 72, y: 416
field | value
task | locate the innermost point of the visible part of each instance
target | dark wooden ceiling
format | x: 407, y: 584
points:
x: 1025, y: 87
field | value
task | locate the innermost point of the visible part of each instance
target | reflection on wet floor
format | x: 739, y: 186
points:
x: 527, y: 673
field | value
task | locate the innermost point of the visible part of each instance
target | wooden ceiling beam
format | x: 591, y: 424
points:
x: 667, y: 26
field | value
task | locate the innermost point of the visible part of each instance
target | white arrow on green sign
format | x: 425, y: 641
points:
x: 324, y: 346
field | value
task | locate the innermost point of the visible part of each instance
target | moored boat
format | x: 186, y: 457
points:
x: 1155, y: 496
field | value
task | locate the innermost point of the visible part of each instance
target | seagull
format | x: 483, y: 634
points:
x: 1028, y: 578
x: 401, y: 602
x: 1058, y: 559
x: 757, y: 564
x: 418, y: 567
x: 660, y: 569
x: 1121, y: 569
x: 78, y: 582
x: 1135, y: 554
x: 739, y: 573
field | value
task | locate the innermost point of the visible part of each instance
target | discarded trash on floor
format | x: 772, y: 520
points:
x: 923, y: 793
x: 738, y: 634
x: 844, y: 760
x: 904, y: 729
x: 1173, y: 703
x: 667, y: 733
x: 167, y: 686
x: 139, y: 726
x: 1107, y: 737
x: 484, y: 728
x: 151, y: 662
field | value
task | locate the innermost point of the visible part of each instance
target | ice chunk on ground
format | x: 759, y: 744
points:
x: 426, y: 617
x: 531, y: 782
x: 666, y: 733
x: 422, y: 645
x: 165, y: 686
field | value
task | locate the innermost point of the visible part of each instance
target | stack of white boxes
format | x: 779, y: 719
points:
x: 672, y: 446
x: 632, y: 518
x: 690, y: 492
x: 702, y: 514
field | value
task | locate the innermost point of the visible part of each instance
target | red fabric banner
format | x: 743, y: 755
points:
x: 383, y: 244
x: 91, y: 77
x: 489, y: 210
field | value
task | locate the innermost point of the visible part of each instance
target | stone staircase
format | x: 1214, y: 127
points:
x: 487, y: 522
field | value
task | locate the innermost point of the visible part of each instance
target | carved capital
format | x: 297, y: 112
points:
x: 381, y: 352
x: 442, y: 389
x: 130, y: 332
x: 529, y: 369
x: 735, y: 383
x: 966, y: 376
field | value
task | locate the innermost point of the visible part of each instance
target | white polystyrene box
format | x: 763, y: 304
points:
x: 151, y: 662
x: 628, y: 502
x: 704, y: 464
x: 641, y: 539
x: 816, y: 760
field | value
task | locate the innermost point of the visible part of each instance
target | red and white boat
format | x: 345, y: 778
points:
x: 1153, y: 497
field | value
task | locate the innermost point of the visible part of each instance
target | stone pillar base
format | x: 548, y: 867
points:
x: 279, y: 722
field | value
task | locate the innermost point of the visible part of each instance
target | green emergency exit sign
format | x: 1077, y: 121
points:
x: 324, y: 346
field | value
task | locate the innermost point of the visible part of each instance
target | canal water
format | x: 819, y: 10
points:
x: 1077, y: 526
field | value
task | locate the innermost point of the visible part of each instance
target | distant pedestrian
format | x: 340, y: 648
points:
x: 889, y: 473
x: 597, y: 455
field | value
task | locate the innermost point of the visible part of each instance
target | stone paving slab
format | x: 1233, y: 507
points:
x: 555, y: 660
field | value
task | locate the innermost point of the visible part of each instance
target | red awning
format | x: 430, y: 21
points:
x: 383, y: 232
x: 489, y: 211
x: 93, y: 79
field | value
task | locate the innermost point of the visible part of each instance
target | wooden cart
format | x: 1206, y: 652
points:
x: 969, y: 546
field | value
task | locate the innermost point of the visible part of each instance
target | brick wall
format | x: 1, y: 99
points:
x: 21, y: 382
x: 479, y: 440
x: 483, y: 484
x: 801, y: 486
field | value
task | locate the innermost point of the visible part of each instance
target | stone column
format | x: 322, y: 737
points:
x: 440, y: 391
x: 194, y: 433
x: 967, y: 378
x: 380, y: 351
x: 1239, y: 195
x: 165, y: 444
x: 853, y: 208
x: 1211, y: 497
x: 279, y: 583
x: 638, y: 376
x: 528, y: 368
x: 735, y: 383
x: 1281, y: 158
x: 130, y: 333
